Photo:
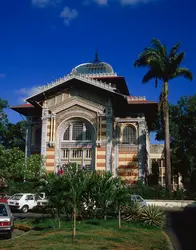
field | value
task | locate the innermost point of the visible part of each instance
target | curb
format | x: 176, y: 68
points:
x: 170, y: 245
x: 22, y: 227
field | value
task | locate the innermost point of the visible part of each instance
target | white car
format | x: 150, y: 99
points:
x: 139, y: 199
x: 24, y: 201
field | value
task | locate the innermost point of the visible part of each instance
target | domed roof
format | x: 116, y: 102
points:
x: 95, y: 68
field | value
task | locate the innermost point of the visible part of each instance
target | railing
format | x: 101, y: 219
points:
x: 87, y: 168
x: 78, y: 154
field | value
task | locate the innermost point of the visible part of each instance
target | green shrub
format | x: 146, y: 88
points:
x: 153, y: 216
x: 132, y: 212
x: 179, y: 194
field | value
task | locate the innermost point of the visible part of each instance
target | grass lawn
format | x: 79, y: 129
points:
x: 91, y: 234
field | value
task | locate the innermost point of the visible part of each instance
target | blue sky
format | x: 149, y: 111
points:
x: 42, y: 40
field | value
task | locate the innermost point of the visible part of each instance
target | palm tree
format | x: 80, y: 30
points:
x: 165, y: 66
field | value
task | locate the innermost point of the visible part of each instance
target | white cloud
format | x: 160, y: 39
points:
x: 2, y: 76
x: 134, y: 2
x: 26, y: 92
x: 44, y: 3
x: 68, y: 14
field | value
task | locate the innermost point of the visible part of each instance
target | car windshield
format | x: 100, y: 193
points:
x: 3, y: 211
x: 16, y: 197
x: 37, y: 197
x: 139, y: 199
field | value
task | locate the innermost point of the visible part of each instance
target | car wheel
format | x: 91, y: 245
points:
x: 25, y: 209
x: 9, y: 235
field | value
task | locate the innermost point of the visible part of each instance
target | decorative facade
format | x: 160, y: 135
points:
x: 89, y: 117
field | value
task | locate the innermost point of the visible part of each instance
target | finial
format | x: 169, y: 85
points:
x: 96, y: 57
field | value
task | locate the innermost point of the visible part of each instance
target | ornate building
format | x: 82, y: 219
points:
x: 90, y: 118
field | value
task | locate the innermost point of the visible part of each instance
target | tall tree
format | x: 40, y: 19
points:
x: 183, y: 133
x: 164, y: 66
x: 3, y: 116
x: 14, y: 135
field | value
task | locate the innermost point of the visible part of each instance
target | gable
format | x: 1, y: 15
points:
x: 70, y: 81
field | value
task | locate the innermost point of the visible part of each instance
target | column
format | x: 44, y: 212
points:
x: 142, y: 153
x: 44, y: 131
x: 70, y: 156
x: 147, y: 150
x: 116, y: 134
x: 109, y: 132
x: 93, y: 155
x: 54, y: 129
x: 70, y: 131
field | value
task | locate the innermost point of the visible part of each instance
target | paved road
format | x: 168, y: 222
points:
x: 182, y: 229
x: 40, y: 215
x: 16, y: 233
x: 30, y: 215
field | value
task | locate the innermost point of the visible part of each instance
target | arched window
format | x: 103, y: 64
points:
x: 77, y: 131
x: 129, y: 135
x: 66, y: 135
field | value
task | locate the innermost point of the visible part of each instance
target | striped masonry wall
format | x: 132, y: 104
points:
x: 48, y: 129
x: 50, y: 160
x: 103, y: 130
x: 51, y: 129
x: 50, y: 152
x: 101, y: 159
x: 128, y: 166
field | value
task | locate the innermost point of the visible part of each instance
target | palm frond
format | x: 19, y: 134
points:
x: 174, y: 50
x: 146, y: 57
x: 183, y: 72
x: 148, y: 76
x: 159, y: 46
x: 178, y: 59
x: 141, y: 62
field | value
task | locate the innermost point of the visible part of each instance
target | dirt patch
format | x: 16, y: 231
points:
x: 124, y: 247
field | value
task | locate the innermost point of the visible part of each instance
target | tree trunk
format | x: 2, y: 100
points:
x: 74, y: 223
x: 119, y: 218
x: 59, y: 222
x: 167, y: 140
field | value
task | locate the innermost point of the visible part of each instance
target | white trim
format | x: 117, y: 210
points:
x: 79, y: 77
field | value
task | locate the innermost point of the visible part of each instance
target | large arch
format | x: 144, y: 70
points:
x: 66, y: 149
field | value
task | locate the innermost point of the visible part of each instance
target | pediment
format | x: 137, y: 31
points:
x: 79, y: 102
